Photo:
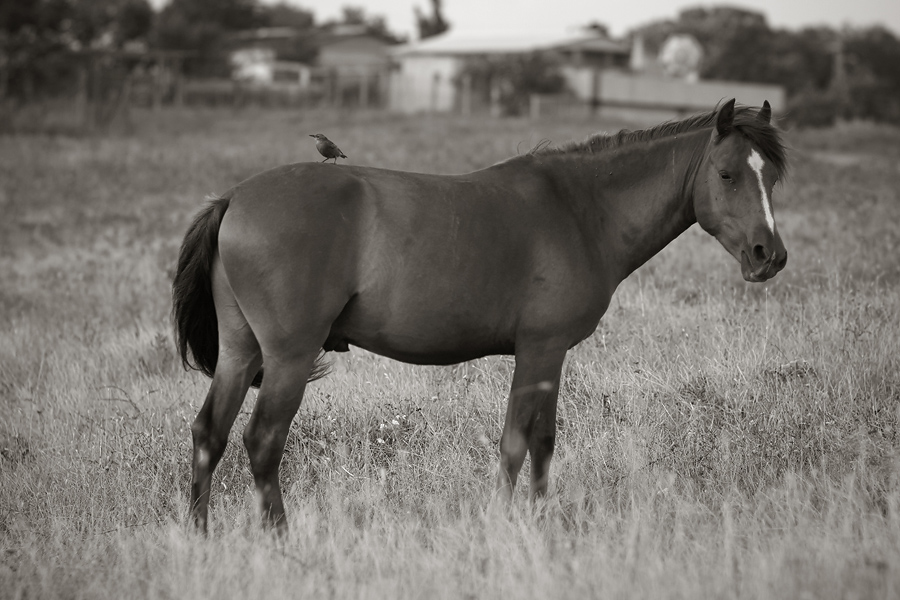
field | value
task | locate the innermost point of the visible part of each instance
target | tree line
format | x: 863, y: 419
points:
x: 39, y: 37
x: 827, y: 73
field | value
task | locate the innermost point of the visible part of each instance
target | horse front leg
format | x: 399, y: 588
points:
x: 530, y: 424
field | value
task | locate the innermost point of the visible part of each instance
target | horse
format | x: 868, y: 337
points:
x: 520, y: 258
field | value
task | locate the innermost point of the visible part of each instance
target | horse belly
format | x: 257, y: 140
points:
x: 428, y: 324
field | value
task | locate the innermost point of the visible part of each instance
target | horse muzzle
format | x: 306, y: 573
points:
x: 760, y: 265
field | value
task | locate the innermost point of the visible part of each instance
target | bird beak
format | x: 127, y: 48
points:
x: 311, y: 135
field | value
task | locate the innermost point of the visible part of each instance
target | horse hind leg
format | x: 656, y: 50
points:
x: 279, y: 400
x: 239, y: 360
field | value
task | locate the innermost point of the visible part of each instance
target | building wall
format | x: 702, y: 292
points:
x: 645, y: 91
x: 424, y: 84
x: 580, y: 81
x: 355, y: 53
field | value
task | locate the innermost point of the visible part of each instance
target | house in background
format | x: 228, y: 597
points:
x: 616, y: 79
x: 255, y: 57
x: 347, y: 66
x: 259, y: 67
x: 350, y: 48
x: 427, y: 77
x: 356, y: 65
x: 667, y: 85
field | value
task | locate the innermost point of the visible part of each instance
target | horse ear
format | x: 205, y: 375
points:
x: 725, y: 118
x: 765, y: 113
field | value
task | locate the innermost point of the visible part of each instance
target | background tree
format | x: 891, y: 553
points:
x: 516, y: 77
x: 739, y: 46
x: 303, y: 47
x: 802, y: 60
x: 372, y: 25
x: 203, y: 28
x: 873, y: 73
x: 287, y: 15
x: 597, y: 28
x: 109, y: 23
x: 431, y: 25
x: 733, y: 40
x: 30, y: 37
x: 37, y: 38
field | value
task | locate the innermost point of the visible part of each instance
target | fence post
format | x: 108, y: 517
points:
x: 178, y: 83
x: 435, y: 91
x: 534, y: 108
x: 466, y: 100
x: 123, y: 106
x: 81, y: 96
x: 363, y: 90
x: 157, y: 71
x: 496, y: 109
x: 4, y: 74
x: 334, y: 90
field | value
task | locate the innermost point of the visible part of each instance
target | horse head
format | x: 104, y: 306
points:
x: 733, y: 196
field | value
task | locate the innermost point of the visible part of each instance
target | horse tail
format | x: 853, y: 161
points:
x: 193, y: 309
x: 196, y: 325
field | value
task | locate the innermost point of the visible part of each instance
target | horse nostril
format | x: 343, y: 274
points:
x: 781, y: 262
x: 760, y: 254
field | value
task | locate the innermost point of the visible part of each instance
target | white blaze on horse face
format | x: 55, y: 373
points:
x: 756, y: 163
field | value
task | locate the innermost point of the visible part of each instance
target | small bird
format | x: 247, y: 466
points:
x: 327, y: 148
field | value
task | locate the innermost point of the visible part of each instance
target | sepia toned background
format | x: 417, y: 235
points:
x: 716, y: 438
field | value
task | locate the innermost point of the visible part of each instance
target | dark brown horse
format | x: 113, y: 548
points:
x: 520, y: 258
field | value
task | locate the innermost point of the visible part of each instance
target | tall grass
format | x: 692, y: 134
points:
x: 717, y: 438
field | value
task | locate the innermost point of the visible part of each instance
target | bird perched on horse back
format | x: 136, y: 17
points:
x: 327, y: 148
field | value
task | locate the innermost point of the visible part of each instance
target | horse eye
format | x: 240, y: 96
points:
x: 725, y: 176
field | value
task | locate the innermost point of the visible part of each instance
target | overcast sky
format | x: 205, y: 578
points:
x: 619, y: 15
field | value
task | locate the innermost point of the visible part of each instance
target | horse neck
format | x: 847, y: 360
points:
x: 640, y: 197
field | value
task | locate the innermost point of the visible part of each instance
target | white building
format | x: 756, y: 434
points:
x: 615, y: 78
x: 426, y: 76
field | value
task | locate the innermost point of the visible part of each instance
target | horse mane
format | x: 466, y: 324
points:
x: 764, y: 135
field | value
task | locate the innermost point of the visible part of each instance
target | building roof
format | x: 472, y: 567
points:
x: 268, y: 33
x: 320, y: 36
x: 454, y: 43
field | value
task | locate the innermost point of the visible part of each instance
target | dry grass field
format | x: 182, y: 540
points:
x: 718, y: 439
